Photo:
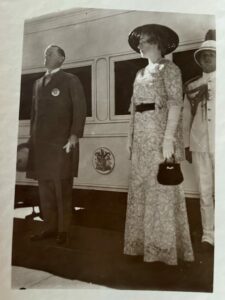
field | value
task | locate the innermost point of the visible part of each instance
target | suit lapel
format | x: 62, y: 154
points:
x: 54, y: 80
x: 41, y: 83
x: 41, y: 89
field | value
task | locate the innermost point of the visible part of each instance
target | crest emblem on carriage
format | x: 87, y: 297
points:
x: 103, y: 160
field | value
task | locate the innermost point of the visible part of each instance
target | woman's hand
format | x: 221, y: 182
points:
x: 168, y: 148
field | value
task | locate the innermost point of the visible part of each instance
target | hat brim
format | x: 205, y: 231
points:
x: 168, y: 36
x: 199, y: 51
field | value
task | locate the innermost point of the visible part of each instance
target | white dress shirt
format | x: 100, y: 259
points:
x: 48, y: 72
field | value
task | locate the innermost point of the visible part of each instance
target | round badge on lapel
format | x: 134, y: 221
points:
x: 55, y: 92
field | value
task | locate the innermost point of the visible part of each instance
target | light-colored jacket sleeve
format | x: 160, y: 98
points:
x: 187, y: 121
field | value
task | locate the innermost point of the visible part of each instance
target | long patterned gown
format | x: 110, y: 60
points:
x: 156, y: 221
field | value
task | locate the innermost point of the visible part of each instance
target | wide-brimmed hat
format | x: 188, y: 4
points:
x: 169, y: 38
x: 22, y: 157
x: 206, y: 45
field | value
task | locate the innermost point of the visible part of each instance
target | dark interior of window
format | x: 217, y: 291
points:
x: 27, y: 81
x: 185, y: 60
x: 126, y: 70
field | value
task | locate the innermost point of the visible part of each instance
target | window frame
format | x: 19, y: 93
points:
x: 112, y: 102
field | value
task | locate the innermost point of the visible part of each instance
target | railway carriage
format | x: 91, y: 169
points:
x: 97, y: 51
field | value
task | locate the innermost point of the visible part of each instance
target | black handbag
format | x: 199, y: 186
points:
x: 170, y: 173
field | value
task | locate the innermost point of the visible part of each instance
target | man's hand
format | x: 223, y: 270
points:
x: 188, y: 155
x: 73, y: 140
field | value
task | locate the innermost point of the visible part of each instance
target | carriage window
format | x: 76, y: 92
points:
x: 27, y: 81
x: 84, y: 74
x: 125, y: 72
x: 185, y: 61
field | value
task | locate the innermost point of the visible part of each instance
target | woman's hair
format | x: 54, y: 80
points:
x: 153, y: 38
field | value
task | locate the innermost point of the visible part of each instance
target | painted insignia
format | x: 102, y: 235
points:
x: 55, y: 92
x: 103, y: 160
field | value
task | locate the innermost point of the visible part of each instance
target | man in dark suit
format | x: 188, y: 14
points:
x: 57, y: 122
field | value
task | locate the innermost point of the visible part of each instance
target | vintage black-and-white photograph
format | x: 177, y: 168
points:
x: 115, y: 158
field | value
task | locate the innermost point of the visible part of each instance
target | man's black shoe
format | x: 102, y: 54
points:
x: 43, y: 235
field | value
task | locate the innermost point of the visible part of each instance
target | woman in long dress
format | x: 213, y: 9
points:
x: 156, y: 220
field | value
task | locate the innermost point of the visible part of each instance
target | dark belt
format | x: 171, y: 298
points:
x: 144, y: 106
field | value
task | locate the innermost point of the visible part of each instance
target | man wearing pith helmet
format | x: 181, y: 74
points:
x: 199, y: 132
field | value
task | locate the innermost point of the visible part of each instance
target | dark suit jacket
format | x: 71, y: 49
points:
x: 58, y: 110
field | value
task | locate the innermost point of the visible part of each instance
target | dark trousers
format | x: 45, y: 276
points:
x: 56, y: 203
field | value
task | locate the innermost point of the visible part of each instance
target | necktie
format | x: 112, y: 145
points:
x: 47, y: 79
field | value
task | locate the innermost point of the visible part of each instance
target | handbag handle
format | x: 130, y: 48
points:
x: 173, y: 160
